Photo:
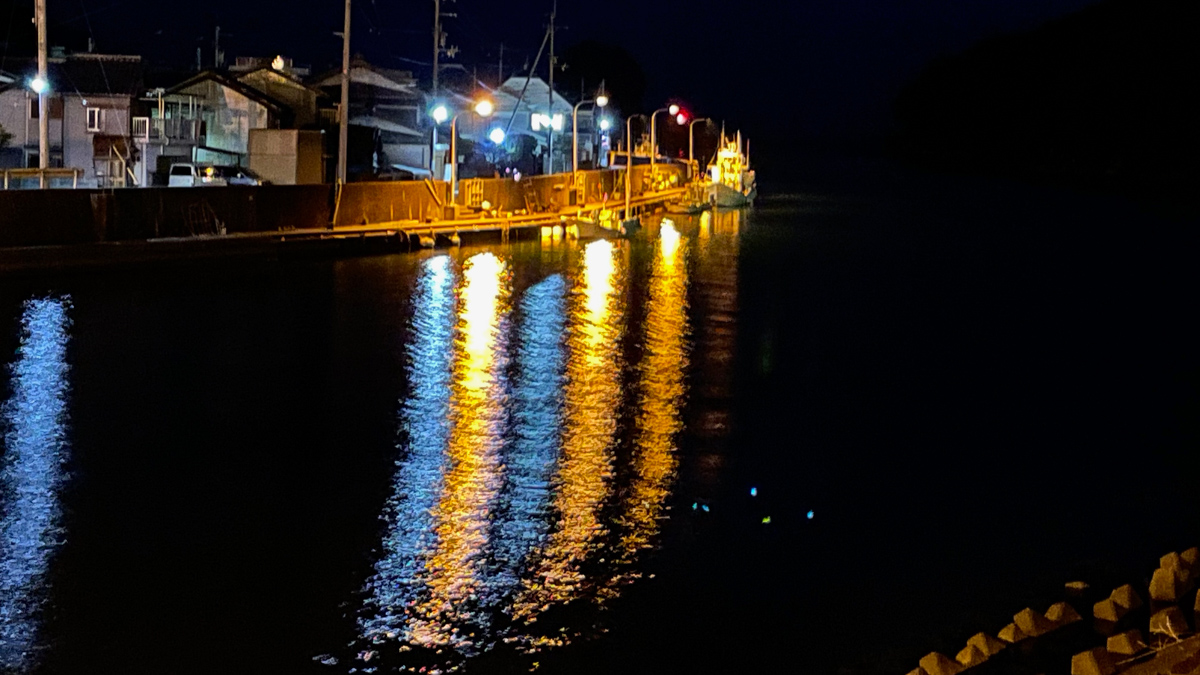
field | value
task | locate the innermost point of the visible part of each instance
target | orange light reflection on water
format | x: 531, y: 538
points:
x: 661, y: 384
x: 591, y: 399
x: 472, y: 478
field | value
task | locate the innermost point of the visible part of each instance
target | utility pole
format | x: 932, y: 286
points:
x: 437, y: 45
x: 43, y: 89
x: 550, y: 110
x: 344, y: 108
x: 500, y: 68
x: 217, y: 48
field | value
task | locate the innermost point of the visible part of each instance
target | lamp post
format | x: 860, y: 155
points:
x: 670, y: 110
x: 600, y: 101
x: 483, y: 108
x: 691, y: 142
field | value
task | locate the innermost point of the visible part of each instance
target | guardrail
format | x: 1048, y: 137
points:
x: 45, y: 177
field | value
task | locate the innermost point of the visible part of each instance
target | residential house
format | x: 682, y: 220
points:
x: 207, y: 118
x: 388, y: 125
x: 92, y: 102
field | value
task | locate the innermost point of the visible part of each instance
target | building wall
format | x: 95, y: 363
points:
x: 229, y: 116
x: 301, y: 99
x: 14, y: 115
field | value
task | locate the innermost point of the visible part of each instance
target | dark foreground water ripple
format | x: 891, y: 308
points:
x: 876, y: 414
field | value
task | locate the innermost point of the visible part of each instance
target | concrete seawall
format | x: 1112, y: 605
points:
x: 67, y: 225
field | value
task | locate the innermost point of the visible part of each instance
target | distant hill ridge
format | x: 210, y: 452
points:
x: 1108, y: 94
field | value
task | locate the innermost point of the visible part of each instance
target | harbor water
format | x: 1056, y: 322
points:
x: 872, y: 415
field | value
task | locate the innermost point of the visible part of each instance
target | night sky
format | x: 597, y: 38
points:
x: 825, y: 69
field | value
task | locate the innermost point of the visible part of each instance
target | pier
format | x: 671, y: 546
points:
x: 72, y: 228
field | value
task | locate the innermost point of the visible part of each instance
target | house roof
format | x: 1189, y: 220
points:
x: 382, y: 125
x: 289, y: 78
x: 87, y: 74
x: 236, y: 85
x: 536, y: 95
x: 362, y: 72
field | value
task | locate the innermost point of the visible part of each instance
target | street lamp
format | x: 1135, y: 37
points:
x: 600, y: 101
x: 483, y: 108
x: 691, y: 143
x: 670, y: 110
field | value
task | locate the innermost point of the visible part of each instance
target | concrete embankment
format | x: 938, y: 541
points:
x: 46, y: 229
x: 1135, y: 629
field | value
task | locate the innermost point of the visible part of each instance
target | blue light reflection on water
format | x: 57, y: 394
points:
x: 425, y: 420
x: 31, y: 475
x: 537, y: 424
x: 498, y: 517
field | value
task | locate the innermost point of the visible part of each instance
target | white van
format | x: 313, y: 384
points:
x: 191, y: 175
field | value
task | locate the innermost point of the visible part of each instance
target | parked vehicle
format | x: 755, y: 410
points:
x: 192, y: 175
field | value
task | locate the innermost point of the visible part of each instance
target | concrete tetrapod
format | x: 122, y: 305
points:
x: 1169, y: 622
x: 1127, y: 644
x: 1191, y: 558
x: 1166, y: 585
x: 986, y: 644
x: 1032, y: 623
x: 936, y: 663
x: 970, y: 656
x: 1011, y: 634
x: 1062, y: 614
x: 1109, y: 610
x: 1126, y: 597
x: 1093, y: 662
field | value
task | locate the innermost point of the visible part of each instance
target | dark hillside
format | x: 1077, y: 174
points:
x: 1106, y: 97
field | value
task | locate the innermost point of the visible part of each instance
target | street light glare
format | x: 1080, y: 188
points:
x: 673, y: 109
x: 484, y: 108
x: 601, y: 101
x: 440, y: 114
x: 39, y: 85
x: 496, y: 135
x: 605, y: 124
x: 681, y: 119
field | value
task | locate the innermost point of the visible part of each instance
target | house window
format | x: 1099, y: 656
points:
x: 33, y: 108
x: 95, y: 119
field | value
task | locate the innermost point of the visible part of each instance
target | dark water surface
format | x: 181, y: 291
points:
x: 868, y: 418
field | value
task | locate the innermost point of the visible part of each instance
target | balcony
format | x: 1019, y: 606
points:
x: 168, y: 131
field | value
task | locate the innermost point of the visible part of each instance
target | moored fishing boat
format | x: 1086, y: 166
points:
x: 731, y: 182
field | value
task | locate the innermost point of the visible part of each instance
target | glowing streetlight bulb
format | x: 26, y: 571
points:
x: 673, y: 109
x: 601, y: 101
x: 440, y: 114
x: 39, y: 85
x: 681, y: 119
x: 484, y: 108
x: 605, y: 124
x: 496, y: 135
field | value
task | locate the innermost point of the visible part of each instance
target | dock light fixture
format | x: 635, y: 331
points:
x: 691, y: 139
x: 39, y: 85
x: 600, y: 101
x: 673, y: 111
x: 681, y: 119
x: 440, y: 112
x: 496, y: 135
x: 605, y: 124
